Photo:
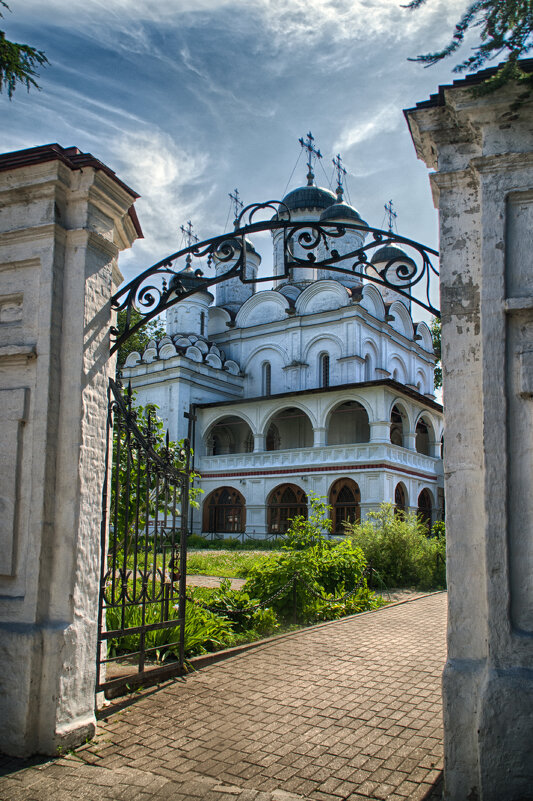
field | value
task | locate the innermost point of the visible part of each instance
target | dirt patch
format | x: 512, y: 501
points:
x: 214, y: 581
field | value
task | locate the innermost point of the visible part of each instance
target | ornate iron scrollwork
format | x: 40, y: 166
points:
x: 163, y: 285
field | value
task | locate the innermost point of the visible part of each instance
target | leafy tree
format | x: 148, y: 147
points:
x: 505, y: 28
x: 139, y: 340
x: 18, y: 63
x: 435, y: 334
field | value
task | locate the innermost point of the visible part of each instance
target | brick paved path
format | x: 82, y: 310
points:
x: 349, y: 710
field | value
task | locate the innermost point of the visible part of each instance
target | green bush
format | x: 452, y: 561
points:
x: 310, y: 572
x: 241, y: 611
x: 399, y: 549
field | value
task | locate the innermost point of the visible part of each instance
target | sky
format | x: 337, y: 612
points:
x: 189, y: 99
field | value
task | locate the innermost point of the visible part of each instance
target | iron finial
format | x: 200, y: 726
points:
x: 307, y: 144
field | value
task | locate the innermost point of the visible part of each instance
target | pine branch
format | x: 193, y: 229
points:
x: 18, y: 63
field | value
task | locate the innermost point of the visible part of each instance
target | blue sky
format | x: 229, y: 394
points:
x: 188, y: 100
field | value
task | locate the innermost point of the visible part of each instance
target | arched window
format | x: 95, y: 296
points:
x: 345, y: 502
x: 284, y: 503
x: 396, y: 426
x: 224, y: 512
x: 425, y: 507
x: 400, y: 499
x: 267, y: 379
x: 422, y: 437
x: 324, y: 370
x: 348, y: 423
x: 249, y: 443
x: 368, y: 368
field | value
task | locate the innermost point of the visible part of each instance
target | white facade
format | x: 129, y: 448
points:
x: 302, y: 385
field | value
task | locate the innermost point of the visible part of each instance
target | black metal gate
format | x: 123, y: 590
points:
x: 144, y: 549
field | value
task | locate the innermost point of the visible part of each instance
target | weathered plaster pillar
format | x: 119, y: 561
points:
x: 259, y: 443
x: 65, y: 217
x: 481, y: 149
x: 409, y: 440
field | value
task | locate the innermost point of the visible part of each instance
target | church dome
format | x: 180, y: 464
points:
x: 341, y: 211
x: 308, y: 197
x: 388, y: 253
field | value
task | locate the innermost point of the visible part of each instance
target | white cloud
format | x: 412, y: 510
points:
x: 389, y: 118
x: 171, y: 182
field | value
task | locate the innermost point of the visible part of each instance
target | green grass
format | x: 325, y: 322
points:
x: 226, y: 564
x: 222, y: 564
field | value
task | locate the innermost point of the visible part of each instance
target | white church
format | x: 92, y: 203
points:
x: 322, y: 385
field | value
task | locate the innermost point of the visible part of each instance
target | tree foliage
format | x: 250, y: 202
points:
x: 139, y: 340
x: 18, y: 63
x: 505, y: 29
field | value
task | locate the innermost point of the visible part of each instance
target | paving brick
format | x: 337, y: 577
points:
x: 351, y: 710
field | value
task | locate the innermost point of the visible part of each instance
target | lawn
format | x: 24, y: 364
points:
x: 225, y: 564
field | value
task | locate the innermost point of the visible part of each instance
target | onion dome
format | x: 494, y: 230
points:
x: 342, y: 211
x: 388, y: 253
x: 308, y: 197
x: 186, y: 279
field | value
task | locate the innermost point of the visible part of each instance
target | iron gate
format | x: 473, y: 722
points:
x: 144, y: 549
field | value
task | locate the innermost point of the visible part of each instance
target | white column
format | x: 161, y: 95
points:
x: 64, y: 223
x: 482, y: 151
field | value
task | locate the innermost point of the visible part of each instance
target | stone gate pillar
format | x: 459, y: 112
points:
x: 64, y: 217
x: 481, y: 148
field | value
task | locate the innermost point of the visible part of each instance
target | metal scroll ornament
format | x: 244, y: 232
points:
x: 409, y: 272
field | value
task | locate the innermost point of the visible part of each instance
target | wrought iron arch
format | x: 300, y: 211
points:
x: 163, y: 285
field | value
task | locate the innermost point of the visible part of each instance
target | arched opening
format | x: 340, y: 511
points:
x: 442, y: 447
x: 289, y: 428
x: 324, y: 370
x: 422, y: 437
x: 224, y: 512
x: 230, y: 435
x: 267, y: 379
x: 348, y: 423
x: 400, y: 499
x: 345, y: 502
x: 396, y: 426
x: 284, y: 503
x: 425, y: 505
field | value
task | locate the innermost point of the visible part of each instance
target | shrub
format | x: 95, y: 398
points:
x: 399, y: 549
x: 310, y: 572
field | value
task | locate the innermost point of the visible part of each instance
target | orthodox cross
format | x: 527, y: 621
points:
x: 391, y: 214
x: 337, y: 163
x: 311, y: 151
x: 237, y: 204
x: 189, y: 237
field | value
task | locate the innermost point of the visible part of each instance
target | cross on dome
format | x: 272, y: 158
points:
x: 391, y: 214
x: 337, y: 163
x: 190, y: 238
x: 307, y: 144
x: 237, y: 204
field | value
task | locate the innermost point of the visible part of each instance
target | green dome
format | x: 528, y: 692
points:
x: 341, y: 211
x: 308, y: 197
x: 388, y: 253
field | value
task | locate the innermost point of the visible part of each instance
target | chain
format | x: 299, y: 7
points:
x: 290, y: 582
